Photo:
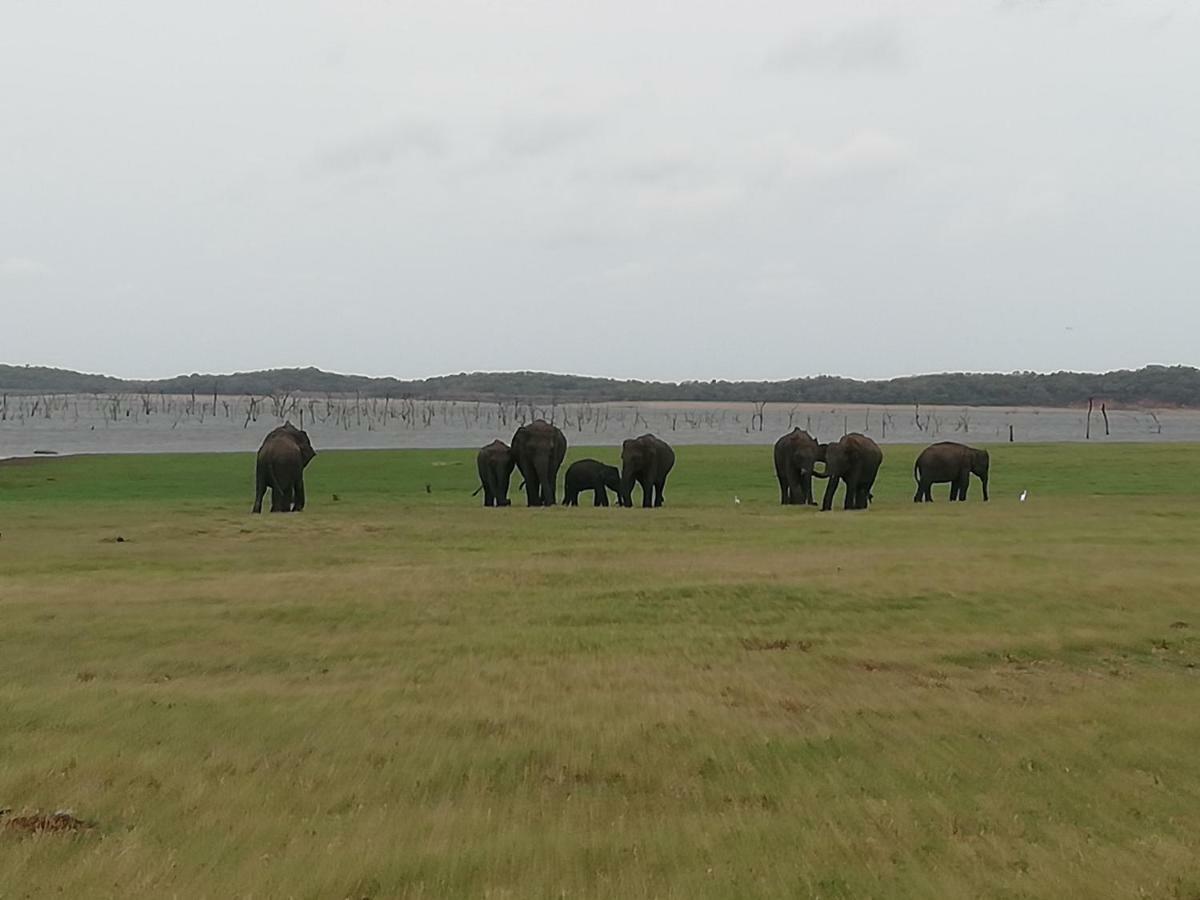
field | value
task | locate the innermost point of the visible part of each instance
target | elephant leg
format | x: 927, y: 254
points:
x: 806, y: 491
x: 489, y: 499
x: 260, y: 487
x: 298, y: 495
x: 785, y: 494
x: 830, y: 492
x: 795, y: 489
x: 533, y: 489
x: 647, y: 492
x: 602, y: 496
x: 851, y: 493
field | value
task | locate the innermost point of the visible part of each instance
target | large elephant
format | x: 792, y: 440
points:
x: 495, y: 462
x: 539, y: 449
x: 646, y: 460
x: 952, y: 462
x: 855, y: 460
x: 280, y: 466
x: 590, y: 475
x: 795, y: 455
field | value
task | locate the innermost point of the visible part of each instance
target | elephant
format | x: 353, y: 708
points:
x: 646, y: 460
x: 280, y: 466
x: 539, y: 449
x: 591, y: 475
x: 952, y: 462
x: 795, y: 455
x: 855, y: 459
x: 495, y: 462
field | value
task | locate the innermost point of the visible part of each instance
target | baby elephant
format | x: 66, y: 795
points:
x: 591, y: 475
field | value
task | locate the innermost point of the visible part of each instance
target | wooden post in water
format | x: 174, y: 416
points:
x: 1087, y: 433
x: 1104, y: 412
x: 1010, y: 434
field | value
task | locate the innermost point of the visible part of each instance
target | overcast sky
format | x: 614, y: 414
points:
x: 642, y: 189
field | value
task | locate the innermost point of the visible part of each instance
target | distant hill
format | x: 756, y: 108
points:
x: 1152, y: 385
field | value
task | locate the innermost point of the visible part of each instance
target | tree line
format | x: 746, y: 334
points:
x: 1177, y: 386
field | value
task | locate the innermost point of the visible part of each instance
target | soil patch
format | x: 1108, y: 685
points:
x: 42, y: 823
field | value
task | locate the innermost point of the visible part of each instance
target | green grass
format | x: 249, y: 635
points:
x: 399, y: 693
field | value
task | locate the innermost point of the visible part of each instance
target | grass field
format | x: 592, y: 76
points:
x: 398, y: 693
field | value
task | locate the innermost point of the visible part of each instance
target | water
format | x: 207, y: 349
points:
x: 139, y: 423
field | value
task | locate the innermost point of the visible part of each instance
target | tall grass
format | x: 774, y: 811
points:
x: 397, y: 693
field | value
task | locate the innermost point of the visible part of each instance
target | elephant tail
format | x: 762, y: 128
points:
x: 917, y: 471
x: 477, y: 490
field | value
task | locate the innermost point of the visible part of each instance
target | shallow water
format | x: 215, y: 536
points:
x: 131, y: 423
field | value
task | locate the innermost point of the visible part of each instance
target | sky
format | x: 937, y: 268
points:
x: 651, y: 189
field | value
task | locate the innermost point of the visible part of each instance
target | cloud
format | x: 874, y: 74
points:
x: 530, y: 136
x: 21, y: 267
x: 870, y: 46
x: 654, y: 171
x: 404, y: 140
x: 867, y: 152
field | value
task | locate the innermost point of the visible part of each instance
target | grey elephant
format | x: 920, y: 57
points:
x: 280, y: 466
x: 854, y: 461
x: 591, y: 475
x: 795, y: 458
x: 645, y: 460
x: 952, y: 462
x: 539, y: 449
x: 495, y: 462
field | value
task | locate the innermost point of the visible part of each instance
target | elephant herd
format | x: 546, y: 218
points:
x: 538, y: 449
x: 854, y: 461
x: 537, y: 452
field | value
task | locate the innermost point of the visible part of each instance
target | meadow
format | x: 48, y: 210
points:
x: 399, y: 693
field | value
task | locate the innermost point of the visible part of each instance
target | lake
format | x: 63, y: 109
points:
x: 155, y: 423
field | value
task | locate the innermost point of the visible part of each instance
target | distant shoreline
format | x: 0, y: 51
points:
x: 1162, y: 387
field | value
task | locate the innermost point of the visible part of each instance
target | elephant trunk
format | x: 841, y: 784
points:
x: 539, y: 479
x: 626, y: 492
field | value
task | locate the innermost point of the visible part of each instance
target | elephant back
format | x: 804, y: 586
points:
x: 539, y: 430
x: 648, y: 447
x: 863, y: 447
x: 287, y: 440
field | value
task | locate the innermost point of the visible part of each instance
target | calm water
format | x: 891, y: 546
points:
x: 177, y: 424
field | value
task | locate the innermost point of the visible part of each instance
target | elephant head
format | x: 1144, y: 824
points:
x: 854, y: 460
x: 612, y: 482
x: 635, y: 459
x: 980, y: 463
x: 646, y: 460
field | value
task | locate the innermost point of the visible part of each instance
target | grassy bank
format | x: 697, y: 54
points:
x: 399, y: 693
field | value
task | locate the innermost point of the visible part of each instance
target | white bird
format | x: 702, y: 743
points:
x: 737, y: 501
x: 1024, y: 494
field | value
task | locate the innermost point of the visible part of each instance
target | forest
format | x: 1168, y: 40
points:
x: 1177, y: 386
